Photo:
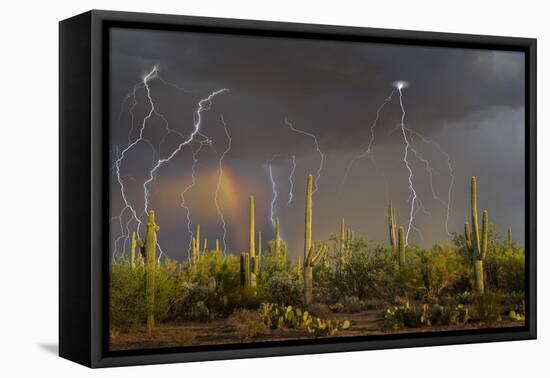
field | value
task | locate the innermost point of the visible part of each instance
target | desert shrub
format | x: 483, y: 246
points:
x: 284, y: 288
x: 429, y: 273
x: 505, y: 270
x: 353, y: 304
x: 271, y: 262
x: 127, y: 292
x: 362, y: 273
x: 410, y: 316
x: 448, y: 315
x: 336, y: 307
x: 208, y: 289
x: 440, y: 268
x: 398, y: 317
x: 488, y: 307
x: 127, y: 295
x: 466, y: 297
x: 248, y: 324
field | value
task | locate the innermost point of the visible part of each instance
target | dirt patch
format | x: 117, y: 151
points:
x: 220, y: 331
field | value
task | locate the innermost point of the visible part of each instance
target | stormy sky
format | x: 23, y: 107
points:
x: 470, y: 102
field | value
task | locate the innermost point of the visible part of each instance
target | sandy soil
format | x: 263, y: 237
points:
x: 221, y: 331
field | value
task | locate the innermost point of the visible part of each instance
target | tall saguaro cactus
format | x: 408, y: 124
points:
x: 277, y: 237
x: 392, y: 226
x: 259, y: 251
x: 252, y: 243
x: 478, y: 245
x: 151, y: 261
x: 133, y: 250
x: 309, y: 258
x: 342, y: 236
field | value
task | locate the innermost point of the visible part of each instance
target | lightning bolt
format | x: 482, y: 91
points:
x: 274, y: 198
x: 220, y: 162
x: 447, y: 203
x: 127, y: 205
x: 203, y: 105
x: 321, y: 155
x: 187, y: 188
x: 413, y: 195
x: 371, y: 140
x: 291, y: 180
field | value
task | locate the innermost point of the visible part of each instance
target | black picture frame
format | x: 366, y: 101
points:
x: 84, y: 193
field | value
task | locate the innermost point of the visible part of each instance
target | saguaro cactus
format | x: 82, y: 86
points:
x: 133, y: 250
x: 252, y: 243
x: 277, y: 237
x: 392, y: 226
x: 478, y: 245
x: 401, y: 249
x: 510, y: 240
x: 342, y: 236
x: 244, y: 270
x: 151, y: 261
x: 309, y: 258
x: 259, y: 251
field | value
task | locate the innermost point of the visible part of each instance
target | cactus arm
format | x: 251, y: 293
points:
x: 308, y: 215
x: 342, y: 235
x: 468, y: 236
x: 319, y: 255
x: 475, y: 223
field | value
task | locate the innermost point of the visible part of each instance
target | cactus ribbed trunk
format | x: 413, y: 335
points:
x: 277, y: 238
x: 510, y: 241
x: 308, y: 285
x: 309, y: 204
x: 475, y: 224
x: 205, y: 246
x: 308, y: 269
x: 342, y: 236
x: 247, y: 269
x: 259, y: 251
x: 401, y: 249
x: 133, y: 250
x: 242, y: 270
x: 477, y: 245
x: 252, y: 244
x: 151, y: 262
x: 217, y: 247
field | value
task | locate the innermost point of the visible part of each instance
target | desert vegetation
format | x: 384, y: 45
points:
x: 342, y: 286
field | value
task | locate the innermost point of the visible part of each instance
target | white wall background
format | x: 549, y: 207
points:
x: 29, y: 215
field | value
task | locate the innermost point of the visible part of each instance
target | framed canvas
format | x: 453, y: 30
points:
x: 234, y: 188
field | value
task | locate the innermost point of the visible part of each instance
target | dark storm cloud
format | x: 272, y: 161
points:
x: 469, y: 101
x: 331, y: 88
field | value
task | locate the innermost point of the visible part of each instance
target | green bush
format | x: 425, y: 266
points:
x: 127, y: 295
x: 488, y: 307
x: 362, y: 273
x: 505, y: 270
x: 284, y: 288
